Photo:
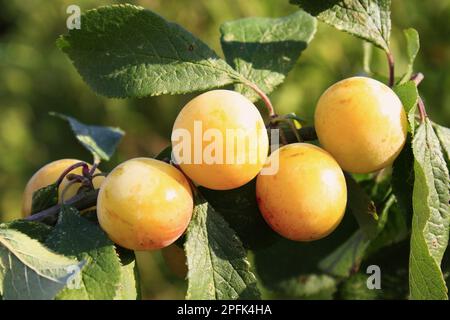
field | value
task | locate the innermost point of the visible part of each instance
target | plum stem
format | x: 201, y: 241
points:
x: 70, y: 169
x: 391, y: 65
x: 81, y: 201
x: 94, y: 167
x: 422, y: 110
x: 264, y: 97
x: 102, y: 174
x: 417, y: 78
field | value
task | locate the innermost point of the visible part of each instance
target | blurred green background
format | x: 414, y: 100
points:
x: 35, y: 78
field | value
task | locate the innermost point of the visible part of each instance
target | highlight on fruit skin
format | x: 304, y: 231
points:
x: 306, y: 198
x: 48, y: 175
x: 144, y: 204
x: 362, y: 123
x: 219, y: 140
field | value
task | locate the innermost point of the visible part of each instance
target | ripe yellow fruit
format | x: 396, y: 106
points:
x: 49, y: 174
x: 361, y: 122
x: 223, y: 143
x: 175, y: 259
x: 144, y: 204
x: 306, y: 198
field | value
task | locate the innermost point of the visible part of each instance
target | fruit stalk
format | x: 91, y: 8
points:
x: 417, y: 78
x: 422, y: 111
x: 264, y: 98
x: 70, y: 169
x: 391, y: 64
x: 81, y: 201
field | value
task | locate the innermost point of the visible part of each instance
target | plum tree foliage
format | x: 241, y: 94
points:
x: 370, y: 176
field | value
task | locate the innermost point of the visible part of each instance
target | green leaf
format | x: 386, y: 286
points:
x: 264, y: 50
x: 355, y: 288
x: 408, y: 95
x: 413, y: 46
x: 347, y: 258
x: 28, y: 270
x: 91, y: 215
x: 165, y: 154
x: 35, y: 230
x: 44, y: 198
x: 128, y: 51
x: 403, y: 178
x: 430, y: 223
x: 393, y: 263
x: 362, y: 208
x: 394, y: 230
x: 309, y: 286
x: 78, y: 237
x: 366, y: 19
x: 290, y: 268
x: 217, y: 262
x: 100, y: 141
x: 443, y: 134
x: 240, y: 209
x: 128, y: 286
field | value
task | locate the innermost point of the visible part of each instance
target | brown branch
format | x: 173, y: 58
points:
x: 81, y: 201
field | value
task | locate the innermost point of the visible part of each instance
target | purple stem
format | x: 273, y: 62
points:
x: 69, y: 169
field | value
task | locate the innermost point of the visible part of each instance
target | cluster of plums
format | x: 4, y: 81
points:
x: 146, y: 204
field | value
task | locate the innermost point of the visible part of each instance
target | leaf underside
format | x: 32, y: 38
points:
x: 100, y: 141
x: 30, y: 271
